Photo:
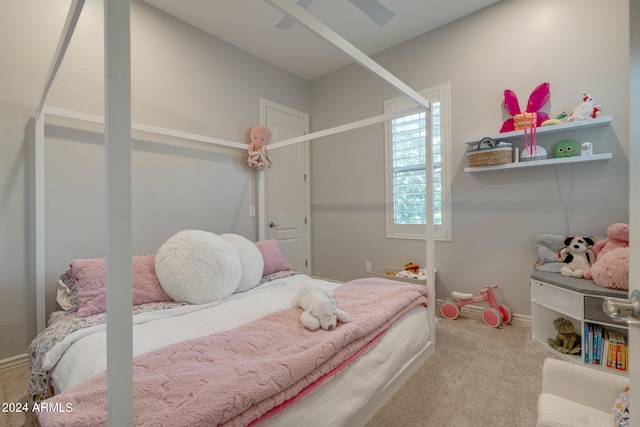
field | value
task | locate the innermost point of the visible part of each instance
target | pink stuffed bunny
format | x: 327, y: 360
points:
x: 609, y: 270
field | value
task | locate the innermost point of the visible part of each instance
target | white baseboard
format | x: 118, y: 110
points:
x: 475, y: 312
x: 14, y: 362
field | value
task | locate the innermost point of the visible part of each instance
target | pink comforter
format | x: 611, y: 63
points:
x: 248, y: 373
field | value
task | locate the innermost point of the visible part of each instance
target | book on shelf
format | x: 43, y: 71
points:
x: 605, y: 347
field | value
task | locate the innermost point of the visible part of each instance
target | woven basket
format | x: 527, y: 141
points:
x: 490, y: 157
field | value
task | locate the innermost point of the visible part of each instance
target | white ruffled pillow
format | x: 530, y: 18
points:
x: 250, y: 259
x: 198, y: 267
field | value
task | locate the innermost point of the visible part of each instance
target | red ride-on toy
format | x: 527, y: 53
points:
x: 494, y: 315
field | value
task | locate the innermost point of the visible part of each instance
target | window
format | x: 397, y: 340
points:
x: 406, y: 150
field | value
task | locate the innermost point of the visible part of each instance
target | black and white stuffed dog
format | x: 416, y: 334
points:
x: 576, y: 255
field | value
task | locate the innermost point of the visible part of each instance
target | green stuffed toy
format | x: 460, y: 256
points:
x: 566, y: 148
x: 567, y: 341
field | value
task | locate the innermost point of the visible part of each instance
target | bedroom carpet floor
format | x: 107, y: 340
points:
x: 479, y: 376
x: 13, y: 389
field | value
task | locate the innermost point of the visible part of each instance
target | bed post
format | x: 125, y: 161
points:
x: 117, y: 24
x: 430, y: 239
x: 39, y: 226
x: 40, y: 270
x: 308, y: 21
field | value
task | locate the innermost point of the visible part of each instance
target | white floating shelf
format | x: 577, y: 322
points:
x: 547, y: 162
x: 563, y: 127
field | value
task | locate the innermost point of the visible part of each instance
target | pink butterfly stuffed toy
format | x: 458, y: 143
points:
x: 532, y: 117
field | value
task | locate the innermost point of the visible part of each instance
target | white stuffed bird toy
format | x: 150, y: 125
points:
x: 585, y: 110
x: 320, y: 310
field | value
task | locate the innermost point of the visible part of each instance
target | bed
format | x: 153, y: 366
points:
x: 345, y: 393
x: 327, y: 374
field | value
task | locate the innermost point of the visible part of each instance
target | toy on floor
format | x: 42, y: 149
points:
x: 566, y: 341
x: 494, y: 315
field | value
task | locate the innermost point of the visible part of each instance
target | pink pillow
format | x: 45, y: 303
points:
x: 273, y: 259
x: 91, y: 277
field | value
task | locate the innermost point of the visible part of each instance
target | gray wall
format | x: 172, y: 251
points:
x: 183, y: 79
x: 575, y: 45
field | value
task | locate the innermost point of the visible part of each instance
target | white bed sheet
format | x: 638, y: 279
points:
x: 335, y: 403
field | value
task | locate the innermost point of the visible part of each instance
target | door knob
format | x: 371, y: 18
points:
x: 624, y: 310
x: 271, y: 224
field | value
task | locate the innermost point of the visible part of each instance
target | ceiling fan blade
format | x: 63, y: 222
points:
x: 375, y: 10
x: 287, y: 22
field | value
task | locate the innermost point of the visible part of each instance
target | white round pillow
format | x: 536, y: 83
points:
x: 198, y: 267
x: 250, y: 259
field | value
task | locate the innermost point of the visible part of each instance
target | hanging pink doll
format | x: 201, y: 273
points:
x: 258, y: 157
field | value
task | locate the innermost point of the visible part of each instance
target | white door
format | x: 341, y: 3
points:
x: 287, y: 209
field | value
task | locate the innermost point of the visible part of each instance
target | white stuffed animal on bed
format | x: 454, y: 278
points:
x: 576, y: 256
x: 320, y: 310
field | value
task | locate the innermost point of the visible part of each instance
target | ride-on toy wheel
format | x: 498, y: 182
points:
x: 507, y: 315
x: 449, y: 309
x: 492, y: 317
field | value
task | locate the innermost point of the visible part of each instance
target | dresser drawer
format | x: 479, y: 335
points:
x: 557, y: 298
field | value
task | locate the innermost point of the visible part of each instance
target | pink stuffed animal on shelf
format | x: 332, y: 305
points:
x: 611, y: 269
x: 258, y: 157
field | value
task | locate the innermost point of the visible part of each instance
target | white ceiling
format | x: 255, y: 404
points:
x: 249, y: 25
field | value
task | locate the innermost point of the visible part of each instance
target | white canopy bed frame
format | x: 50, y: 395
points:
x: 118, y: 127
